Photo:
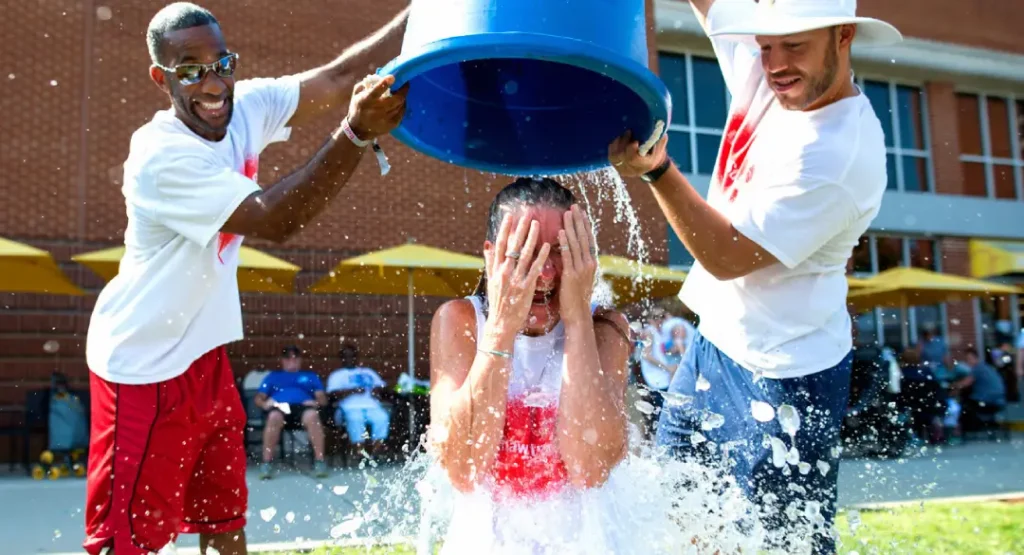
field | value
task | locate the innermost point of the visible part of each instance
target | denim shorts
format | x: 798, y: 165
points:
x: 811, y: 478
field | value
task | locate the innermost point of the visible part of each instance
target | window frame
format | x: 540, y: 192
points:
x: 986, y: 158
x: 690, y: 128
x: 897, y: 148
x: 905, y: 256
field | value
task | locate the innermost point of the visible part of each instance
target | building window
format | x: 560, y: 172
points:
x: 700, y: 106
x: 907, y: 147
x: 884, y: 326
x: 991, y: 131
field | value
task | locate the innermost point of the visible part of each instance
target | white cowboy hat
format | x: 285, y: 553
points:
x: 742, y: 20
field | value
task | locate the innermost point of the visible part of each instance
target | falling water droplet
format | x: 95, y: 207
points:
x: 703, y: 384
x: 268, y: 513
x: 290, y: 517
x: 10, y: 76
x: 804, y: 468
x: 762, y: 412
x: 103, y: 13
x: 340, y: 490
x: 53, y: 82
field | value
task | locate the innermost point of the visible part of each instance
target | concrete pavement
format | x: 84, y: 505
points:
x: 46, y: 517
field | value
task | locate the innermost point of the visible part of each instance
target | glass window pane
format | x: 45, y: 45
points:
x: 707, y: 152
x: 1020, y: 129
x: 928, y: 317
x: 892, y: 327
x: 878, y: 94
x: 999, y: 127
x: 672, y: 68
x: 974, y: 179
x: 866, y: 329
x: 890, y: 252
x: 677, y: 253
x: 911, y: 111
x: 915, y: 174
x: 890, y: 169
x: 861, y: 259
x: 1005, y: 182
x: 968, y: 120
x: 679, y: 150
x: 922, y: 254
x: 709, y: 93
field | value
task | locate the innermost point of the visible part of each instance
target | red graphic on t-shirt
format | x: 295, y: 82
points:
x: 734, y: 152
x: 528, y: 461
x: 250, y: 170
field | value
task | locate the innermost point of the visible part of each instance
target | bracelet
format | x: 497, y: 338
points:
x: 346, y: 128
x: 501, y: 354
x: 656, y: 173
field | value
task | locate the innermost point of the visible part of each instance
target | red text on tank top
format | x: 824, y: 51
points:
x: 528, y: 462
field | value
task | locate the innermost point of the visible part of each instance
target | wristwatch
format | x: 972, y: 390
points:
x: 656, y: 173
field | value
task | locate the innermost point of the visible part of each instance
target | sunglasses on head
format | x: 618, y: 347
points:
x: 190, y: 74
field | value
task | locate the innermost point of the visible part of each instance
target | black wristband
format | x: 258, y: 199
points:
x: 656, y: 173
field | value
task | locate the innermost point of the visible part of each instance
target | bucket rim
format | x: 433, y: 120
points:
x: 534, y: 46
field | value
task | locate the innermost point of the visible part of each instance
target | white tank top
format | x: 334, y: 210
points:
x: 537, y: 362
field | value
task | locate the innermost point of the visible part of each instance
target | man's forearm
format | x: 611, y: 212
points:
x: 330, y: 86
x: 707, y: 234
x: 286, y: 207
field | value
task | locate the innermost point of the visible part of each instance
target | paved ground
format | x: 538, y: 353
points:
x: 46, y: 517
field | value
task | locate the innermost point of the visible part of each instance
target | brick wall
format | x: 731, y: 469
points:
x: 956, y: 260
x: 69, y: 108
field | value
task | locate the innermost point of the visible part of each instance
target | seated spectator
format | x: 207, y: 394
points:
x: 292, y: 396
x: 987, y: 395
x: 355, y: 389
x: 654, y: 368
x: 932, y: 347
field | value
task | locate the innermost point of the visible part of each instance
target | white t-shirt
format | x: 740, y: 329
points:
x: 359, y: 377
x: 176, y: 295
x: 804, y: 186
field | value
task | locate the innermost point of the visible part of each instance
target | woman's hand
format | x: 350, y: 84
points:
x: 512, y: 271
x: 579, y: 264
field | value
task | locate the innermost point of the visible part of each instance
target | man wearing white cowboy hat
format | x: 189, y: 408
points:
x: 800, y: 176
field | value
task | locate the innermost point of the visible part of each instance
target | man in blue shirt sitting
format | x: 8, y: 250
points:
x: 292, y: 396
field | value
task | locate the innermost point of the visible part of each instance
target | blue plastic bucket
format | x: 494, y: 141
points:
x: 526, y: 87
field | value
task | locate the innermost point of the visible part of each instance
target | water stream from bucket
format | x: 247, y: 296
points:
x: 650, y: 504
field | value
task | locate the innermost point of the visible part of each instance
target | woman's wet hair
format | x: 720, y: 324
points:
x: 527, y: 191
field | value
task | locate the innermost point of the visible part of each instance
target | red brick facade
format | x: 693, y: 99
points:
x: 80, y: 88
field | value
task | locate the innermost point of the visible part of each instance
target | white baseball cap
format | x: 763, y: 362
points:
x: 743, y: 19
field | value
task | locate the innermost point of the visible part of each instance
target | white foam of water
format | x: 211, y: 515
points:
x: 712, y: 421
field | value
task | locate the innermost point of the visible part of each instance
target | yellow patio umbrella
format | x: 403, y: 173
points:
x: 26, y: 269
x: 405, y: 270
x: 904, y: 287
x: 257, y: 271
x: 855, y: 283
x: 632, y: 281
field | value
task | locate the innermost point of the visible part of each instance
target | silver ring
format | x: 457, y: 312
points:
x: 619, y: 163
x: 563, y: 248
x: 512, y: 254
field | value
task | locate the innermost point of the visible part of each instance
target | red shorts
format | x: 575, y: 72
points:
x: 166, y: 458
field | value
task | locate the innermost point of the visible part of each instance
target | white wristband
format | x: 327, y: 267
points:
x: 347, y: 130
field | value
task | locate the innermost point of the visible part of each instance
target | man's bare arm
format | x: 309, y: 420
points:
x: 286, y: 207
x: 327, y: 87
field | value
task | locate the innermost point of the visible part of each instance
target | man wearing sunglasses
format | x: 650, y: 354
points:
x: 167, y: 455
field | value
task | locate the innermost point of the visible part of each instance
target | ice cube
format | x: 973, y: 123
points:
x: 762, y: 412
x: 804, y: 468
x: 703, y: 384
x: 712, y: 421
x: 268, y: 513
x: 697, y: 438
x: 644, y: 407
x: 346, y: 528
x: 789, y: 419
x: 778, y: 452
x: 823, y: 467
